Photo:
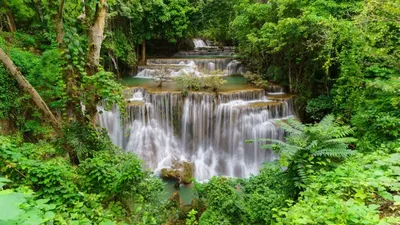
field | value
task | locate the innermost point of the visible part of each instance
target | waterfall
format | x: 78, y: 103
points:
x: 204, y: 128
x: 207, y: 129
x: 199, y: 43
x: 175, y: 67
x: 235, y: 67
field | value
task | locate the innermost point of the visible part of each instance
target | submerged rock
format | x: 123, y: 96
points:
x: 182, y: 172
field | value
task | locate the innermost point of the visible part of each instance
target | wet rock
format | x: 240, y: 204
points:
x: 182, y: 172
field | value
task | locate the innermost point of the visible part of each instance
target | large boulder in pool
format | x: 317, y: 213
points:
x: 180, y: 171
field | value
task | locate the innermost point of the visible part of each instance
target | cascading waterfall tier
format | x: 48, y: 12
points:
x: 173, y: 67
x: 207, y: 129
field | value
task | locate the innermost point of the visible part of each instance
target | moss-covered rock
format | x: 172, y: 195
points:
x: 180, y: 171
x: 187, y: 173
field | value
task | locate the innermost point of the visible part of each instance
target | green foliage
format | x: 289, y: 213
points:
x: 245, y: 201
x: 367, y: 91
x: 224, y: 204
x: 86, y: 140
x: 152, y: 19
x: 310, y: 148
x: 213, y: 81
x: 256, y: 80
x: 361, y: 191
x: 188, y: 81
x: 346, y: 50
x: 267, y: 192
x: 191, y: 220
x: 121, y: 47
x: 106, y: 88
x: 319, y: 107
x: 212, y: 18
x: 44, y: 73
x: 105, y: 187
x: 117, y: 175
x: 19, y: 8
x: 20, y: 207
x: 338, y: 56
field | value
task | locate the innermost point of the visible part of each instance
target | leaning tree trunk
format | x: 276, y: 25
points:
x: 42, y: 106
x: 26, y: 86
x: 95, y: 40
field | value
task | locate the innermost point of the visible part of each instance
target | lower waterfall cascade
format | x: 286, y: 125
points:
x: 206, y: 129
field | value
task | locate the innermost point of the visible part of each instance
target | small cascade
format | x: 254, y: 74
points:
x: 235, y: 67
x: 173, y: 67
x: 202, y: 64
x: 199, y: 43
x: 246, y: 95
x: 155, y: 71
x: 204, y: 128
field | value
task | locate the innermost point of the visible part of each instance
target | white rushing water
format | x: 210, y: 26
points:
x: 201, y: 128
x: 199, y: 43
x: 199, y: 67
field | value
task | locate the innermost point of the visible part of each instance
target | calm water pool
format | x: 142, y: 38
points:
x: 186, y: 192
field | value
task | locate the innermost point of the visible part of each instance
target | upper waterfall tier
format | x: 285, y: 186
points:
x: 204, y: 128
x: 207, y: 48
x: 173, y: 67
x: 205, y: 59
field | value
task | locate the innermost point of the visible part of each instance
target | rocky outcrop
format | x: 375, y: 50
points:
x: 182, y: 172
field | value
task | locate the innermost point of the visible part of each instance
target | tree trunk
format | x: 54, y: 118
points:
x: 59, y: 23
x: 10, y: 19
x: 143, y: 58
x: 68, y: 74
x: 83, y: 15
x: 95, y: 38
x: 38, y: 5
x: 290, y: 78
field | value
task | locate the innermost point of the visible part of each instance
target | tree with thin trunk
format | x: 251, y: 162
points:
x: 143, y: 55
x: 95, y: 40
x: 10, y: 18
x: 59, y: 23
x: 162, y: 76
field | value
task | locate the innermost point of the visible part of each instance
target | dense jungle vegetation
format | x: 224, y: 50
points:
x: 340, y: 57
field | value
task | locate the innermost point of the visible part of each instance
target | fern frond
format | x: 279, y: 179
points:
x: 343, y: 131
x: 336, y: 153
x: 326, y: 122
x: 296, y: 124
x: 312, y: 145
x: 289, y: 129
x: 344, y: 140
